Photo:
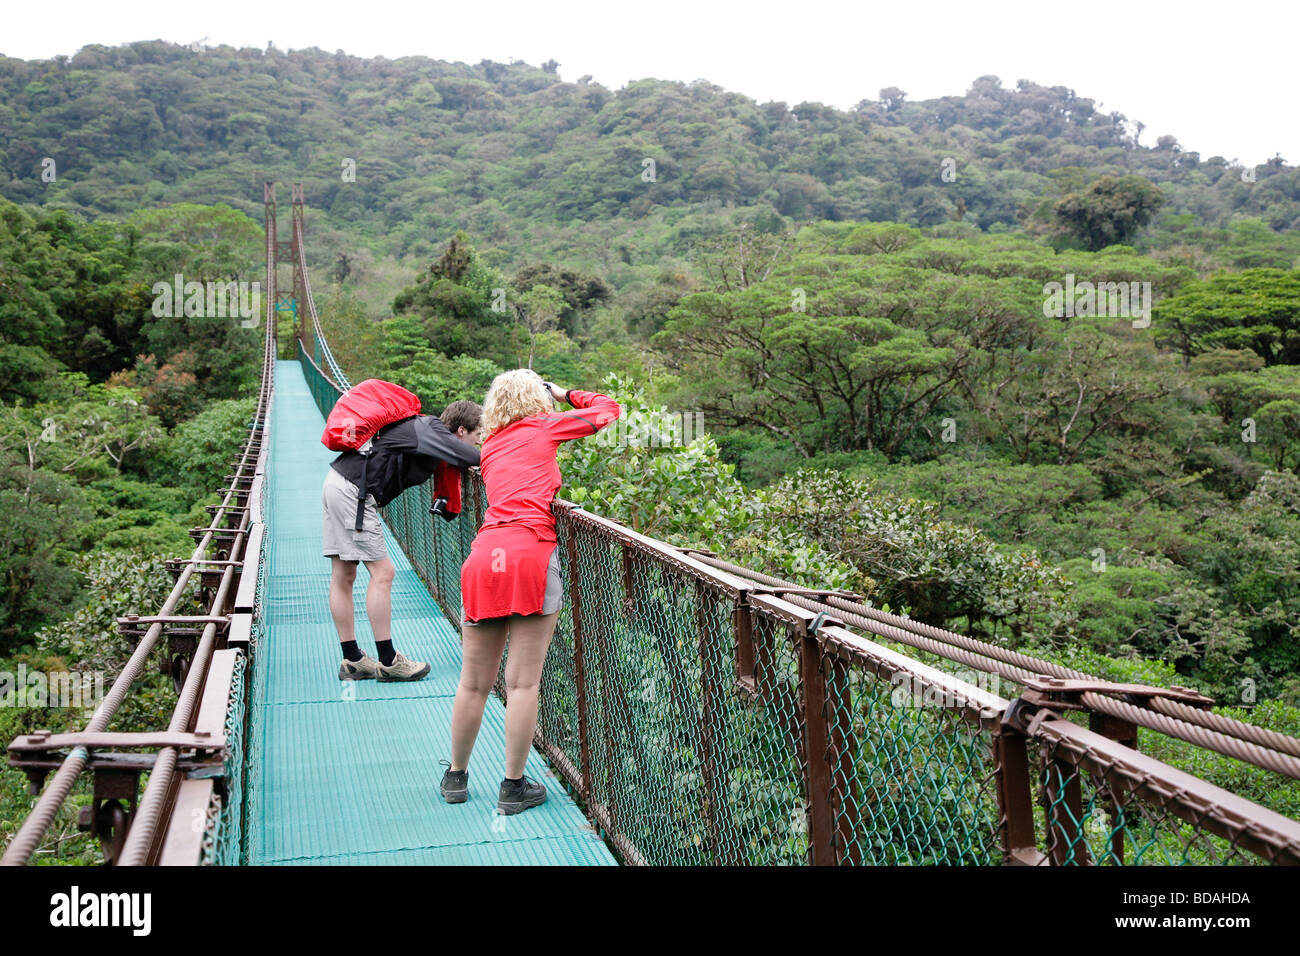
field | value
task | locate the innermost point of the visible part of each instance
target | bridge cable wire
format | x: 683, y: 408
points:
x: 1225, y: 735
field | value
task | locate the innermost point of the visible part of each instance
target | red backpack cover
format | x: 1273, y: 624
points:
x: 364, y: 409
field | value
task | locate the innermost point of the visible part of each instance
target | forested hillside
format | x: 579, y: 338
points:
x: 398, y: 154
x: 858, y: 304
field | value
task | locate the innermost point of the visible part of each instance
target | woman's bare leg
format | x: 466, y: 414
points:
x: 530, y: 637
x: 481, y: 649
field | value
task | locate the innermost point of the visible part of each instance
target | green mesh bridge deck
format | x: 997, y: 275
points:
x: 347, y: 772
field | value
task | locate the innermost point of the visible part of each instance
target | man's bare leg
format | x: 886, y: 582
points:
x: 342, y: 576
x: 379, y: 598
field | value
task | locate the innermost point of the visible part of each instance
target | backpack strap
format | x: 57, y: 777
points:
x: 361, y: 492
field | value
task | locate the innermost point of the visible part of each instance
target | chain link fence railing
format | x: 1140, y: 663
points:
x: 224, y: 825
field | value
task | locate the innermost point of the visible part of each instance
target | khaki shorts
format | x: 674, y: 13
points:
x: 339, y: 502
x: 552, y: 601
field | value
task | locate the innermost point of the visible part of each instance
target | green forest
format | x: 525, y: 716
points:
x: 860, y: 306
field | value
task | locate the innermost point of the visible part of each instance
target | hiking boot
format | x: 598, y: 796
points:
x: 364, y: 669
x: 515, y: 797
x: 455, y: 784
x: 402, y: 668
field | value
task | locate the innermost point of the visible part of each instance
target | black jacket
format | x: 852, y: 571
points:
x: 403, y: 455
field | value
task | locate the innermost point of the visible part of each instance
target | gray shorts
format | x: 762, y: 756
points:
x: 552, y: 601
x: 339, y: 501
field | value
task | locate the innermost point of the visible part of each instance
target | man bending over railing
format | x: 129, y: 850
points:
x: 403, y: 455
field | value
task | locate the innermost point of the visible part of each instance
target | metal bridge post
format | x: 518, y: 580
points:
x: 1015, y: 792
x: 1063, y: 810
x: 820, y: 812
x: 435, y: 579
x: 297, y: 254
x: 1124, y: 732
x: 841, y: 750
x: 743, y: 628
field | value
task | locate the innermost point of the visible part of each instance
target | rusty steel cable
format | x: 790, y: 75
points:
x: 839, y: 603
x: 959, y: 655
x: 1004, y: 654
x: 1268, y: 744
x: 1149, y: 785
x: 1191, y: 733
x: 1262, y: 736
x: 327, y: 354
x: 28, y: 837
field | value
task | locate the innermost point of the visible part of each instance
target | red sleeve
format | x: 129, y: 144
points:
x: 591, y: 412
x: 446, y: 484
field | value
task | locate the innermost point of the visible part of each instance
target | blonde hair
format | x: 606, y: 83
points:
x: 514, y: 395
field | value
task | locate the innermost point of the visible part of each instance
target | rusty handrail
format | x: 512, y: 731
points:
x: 1234, y: 738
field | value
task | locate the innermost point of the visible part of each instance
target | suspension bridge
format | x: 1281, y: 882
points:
x: 693, y: 712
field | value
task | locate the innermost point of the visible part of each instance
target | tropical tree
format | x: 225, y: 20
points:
x: 1257, y: 309
x: 1109, y: 211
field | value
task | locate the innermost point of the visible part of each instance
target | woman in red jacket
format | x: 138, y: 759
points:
x: 510, y: 583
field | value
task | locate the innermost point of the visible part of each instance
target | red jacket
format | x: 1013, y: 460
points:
x: 518, y: 462
x: 506, y: 570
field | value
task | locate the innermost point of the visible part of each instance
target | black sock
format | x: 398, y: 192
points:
x: 385, y: 651
x: 351, y: 651
x: 518, y: 779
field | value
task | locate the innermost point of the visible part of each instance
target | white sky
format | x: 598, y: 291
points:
x: 1219, y: 76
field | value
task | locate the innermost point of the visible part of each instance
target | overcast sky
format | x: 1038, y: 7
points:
x: 1221, y: 77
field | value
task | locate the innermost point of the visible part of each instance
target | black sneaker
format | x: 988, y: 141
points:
x: 519, y: 796
x: 455, y: 784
